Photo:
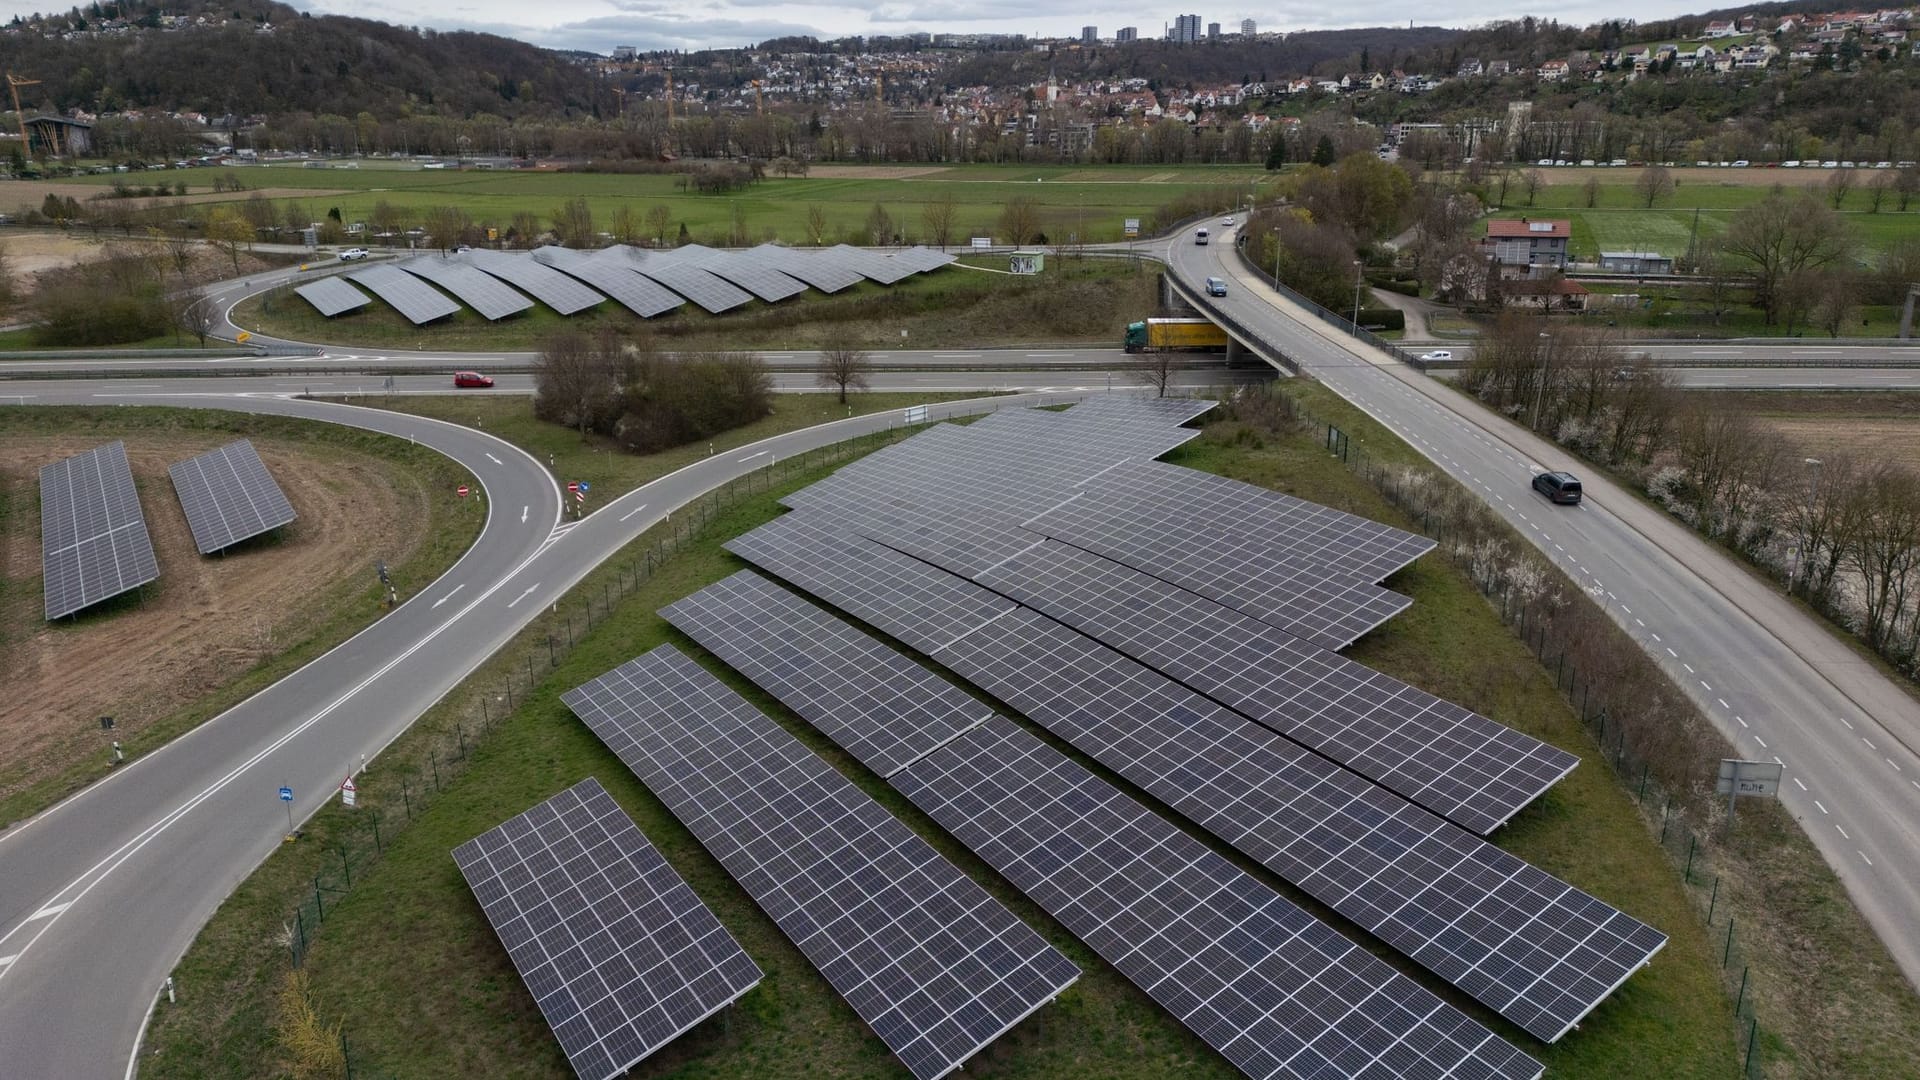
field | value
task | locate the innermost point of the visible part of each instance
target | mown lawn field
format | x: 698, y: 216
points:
x: 410, y: 970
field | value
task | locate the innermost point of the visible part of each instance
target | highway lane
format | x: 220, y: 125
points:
x: 1778, y: 684
x: 1808, y: 355
x: 1776, y: 378
x: 101, y: 894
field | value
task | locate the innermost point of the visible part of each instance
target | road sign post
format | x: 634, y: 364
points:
x: 1755, y: 779
x: 286, y: 796
x: 348, y: 793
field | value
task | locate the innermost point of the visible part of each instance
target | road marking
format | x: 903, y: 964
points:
x: 1841, y: 831
x: 1869, y: 743
x: 449, y: 596
x: 1796, y: 780
x: 526, y: 594
x: 1822, y: 806
x: 1743, y: 723
x: 1889, y: 761
x: 633, y: 511
x: 493, y: 459
x: 5, y: 960
x: 1671, y: 653
x: 49, y: 911
x: 1761, y: 741
x: 1863, y: 856
x: 1844, y: 721
x: 1642, y: 625
x: 750, y: 457
x: 523, y: 515
x: 1723, y: 703
x: 1688, y: 666
x: 1656, y: 637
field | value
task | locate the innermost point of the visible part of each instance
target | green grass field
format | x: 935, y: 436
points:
x: 1090, y: 202
x: 1620, y: 220
x: 408, y: 967
x: 1074, y: 300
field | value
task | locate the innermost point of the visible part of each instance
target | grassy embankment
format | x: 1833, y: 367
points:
x: 1074, y: 300
x: 442, y: 998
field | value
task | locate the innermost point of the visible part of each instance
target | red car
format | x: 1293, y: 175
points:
x: 469, y: 379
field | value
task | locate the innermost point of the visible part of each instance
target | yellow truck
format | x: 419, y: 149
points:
x: 1157, y: 335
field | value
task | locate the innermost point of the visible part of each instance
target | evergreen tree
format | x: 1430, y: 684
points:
x: 1277, y: 153
x: 1323, y: 152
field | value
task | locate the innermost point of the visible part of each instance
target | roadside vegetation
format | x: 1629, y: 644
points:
x: 443, y: 995
x: 395, y: 502
x: 1074, y: 300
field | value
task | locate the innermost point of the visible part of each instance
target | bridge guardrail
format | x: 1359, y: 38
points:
x: 1334, y: 318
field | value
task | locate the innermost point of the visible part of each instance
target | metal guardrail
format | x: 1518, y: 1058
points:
x: 1333, y: 318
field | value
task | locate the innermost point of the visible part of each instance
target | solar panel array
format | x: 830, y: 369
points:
x: 714, y: 294
x: 617, y: 951
x: 414, y: 299
x: 228, y: 496
x: 1273, y: 989
x: 484, y: 293
x: 922, y: 259
x: 331, y: 296
x: 754, y: 275
x: 927, y: 958
x: 563, y: 294
x: 869, y: 264
x: 900, y: 710
x: 642, y: 296
x: 1463, y: 766
x: 813, y: 269
x: 93, y: 538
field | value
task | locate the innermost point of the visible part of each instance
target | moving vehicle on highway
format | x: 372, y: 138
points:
x: 1216, y: 286
x: 1437, y: 356
x: 353, y: 254
x: 1200, y: 235
x: 1158, y: 335
x: 465, y: 380
x: 1558, y: 487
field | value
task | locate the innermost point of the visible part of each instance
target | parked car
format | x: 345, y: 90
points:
x: 1216, y: 286
x: 353, y: 254
x: 1558, y: 487
x: 471, y: 380
x: 1437, y: 355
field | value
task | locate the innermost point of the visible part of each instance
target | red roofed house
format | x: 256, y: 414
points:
x: 1530, y: 244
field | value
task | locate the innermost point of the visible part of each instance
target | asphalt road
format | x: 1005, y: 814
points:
x: 1779, y: 378
x: 1811, y: 354
x: 1778, y: 684
x: 101, y: 894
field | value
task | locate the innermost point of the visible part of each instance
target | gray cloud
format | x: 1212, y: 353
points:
x: 662, y: 30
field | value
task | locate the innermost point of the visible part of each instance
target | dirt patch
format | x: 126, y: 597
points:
x: 1866, y: 439
x: 29, y: 253
x: 872, y: 172
x: 207, y: 619
x: 29, y: 194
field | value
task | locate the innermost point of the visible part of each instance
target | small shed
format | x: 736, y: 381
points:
x: 1027, y: 262
x: 1636, y: 262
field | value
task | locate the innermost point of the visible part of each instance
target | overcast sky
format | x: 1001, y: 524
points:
x: 599, y: 25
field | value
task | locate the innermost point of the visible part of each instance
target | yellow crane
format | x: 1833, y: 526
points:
x: 759, y: 103
x: 14, y: 83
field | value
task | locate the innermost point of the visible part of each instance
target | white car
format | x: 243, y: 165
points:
x: 1436, y: 356
x: 353, y: 254
x: 1226, y: 223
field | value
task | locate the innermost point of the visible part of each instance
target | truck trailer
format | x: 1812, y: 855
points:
x: 1157, y: 335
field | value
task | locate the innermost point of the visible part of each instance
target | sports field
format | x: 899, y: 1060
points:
x: 1621, y: 221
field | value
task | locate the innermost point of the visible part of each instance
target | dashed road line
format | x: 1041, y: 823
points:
x: 1863, y: 856
x: 1841, y: 831
x: 1796, y: 780
x: 1822, y: 806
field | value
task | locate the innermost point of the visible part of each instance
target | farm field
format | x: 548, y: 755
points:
x: 1091, y: 202
x: 444, y: 998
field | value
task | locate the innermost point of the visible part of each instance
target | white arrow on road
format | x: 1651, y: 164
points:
x: 523, y: 515
x: 493, y: 459
x: 526, y: 594
x: 633, y: 511
x: 449, y: 596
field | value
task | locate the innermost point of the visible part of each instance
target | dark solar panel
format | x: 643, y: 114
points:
x: 1277, y: 992
x: 332, y: 296
x: 883, y: 708
x: 615, y: 948
x: 927, y: 958
x: 1171, y: 411
x: 703, y: 288
x: 923, y: 259
x: 868, y: 264
x: 563, y: 294
x: 1455, y: 762
x: 414, y: 299
x: 810, y: 267
x: 747, y: 271
x: 93, y: 538
x: 484, y: 293
x: 228, y: 496
x: 642, y: 296
x: 1528, y: 945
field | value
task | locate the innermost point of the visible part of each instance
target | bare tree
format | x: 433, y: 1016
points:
x: 526, y: 228
x: 1836, y: 298
x: 1878, y: 190
x: 1591, y: 189
x: 816, y: 225
x: 1532, y: 181
x: 844, y: 366
x: 937, y: 217
x: 626, y: 229
x: 1020, y: 220
x: 1719, y: 284
x: 879, y: 226
x: 573, y: 223
x: 579, y: 379
x: 228, y: 232
x: 659, y: 220
x: 446, y: 226
x: 1839, y: 185
x: 1155, y: 369
x: 193, y: 313
x: 1906, y: 185
x: 1655, y: 183
x: 1810, y: 507
x: 1885, y: 550
x: 1784, y: 236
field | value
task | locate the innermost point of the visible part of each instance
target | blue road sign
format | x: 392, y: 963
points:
x: 584, y: 486
x: 286, y: 794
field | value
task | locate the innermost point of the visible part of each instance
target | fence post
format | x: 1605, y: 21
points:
x: 1753, y: 1033
x: 1727, y: 958
x: 1641, y: 799
x: 299, y: 937
x: 346, y: 866
x: 374, y: 817
x: 1714, y: 900
x: 1740, y: 998
x: 319, y: 905
x: 434, y: 760
x: 1693, y: 844
x: 406, y: 798
x: 460, y: 732
x: 1666, y: 816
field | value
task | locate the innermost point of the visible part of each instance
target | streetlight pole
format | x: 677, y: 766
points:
x: 1813, y: 496
x: 1546, y: 370
x: 1359, y: 279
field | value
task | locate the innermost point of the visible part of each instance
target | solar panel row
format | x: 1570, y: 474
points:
x: 749, y: 273
x: 229, y: 496
x: 93, y: 537
x: 708, y: 291
x: 1525, y: 943
x: 1274, y: 990
x: 563, y: 294
x: 927, y: 958
x: 617, y: 951
x: 417, y: 301
x: 483, y: 293
x: 642, y: 296
x: 331, y: 296
x: 810, y: 268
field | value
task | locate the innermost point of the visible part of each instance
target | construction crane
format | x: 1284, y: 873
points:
x: 622, y: 96
x: 669, y: 96
x: 14, y: 83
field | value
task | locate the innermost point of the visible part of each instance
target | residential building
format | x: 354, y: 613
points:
x: 1213, y: 31
x: 1246, y: 27
x: 1126, y: 35
x: 1721, y: 29
x: 624, y: 53
x: 1089, y: 35
x: 1186, y: 29
x: 1548, y: 294
x: 1526, y: 243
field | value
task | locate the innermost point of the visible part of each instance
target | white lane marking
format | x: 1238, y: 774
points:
x: 1656, y: 637
x: 1743, y: 722
x: 1863, y: 856
x: 1688, y: 666
x: 5, y: 960
x: 1642, y: 625
x: 526, y: 594
x: 634, y: 511
x: 49, y: 911
x: 1841, y: 831
x: 449, y: 596
x: 1822, y: 806
x: 1796, y: 780
x: 495, y: 460
x: 1844, y: 721
x: 1869, y: 743
x: 523, y: 515
x: 1890, y: 761
x: 1761, y: 741
x: 1671, y: 653
x: 1723, y: 703
x: 750, y: 457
